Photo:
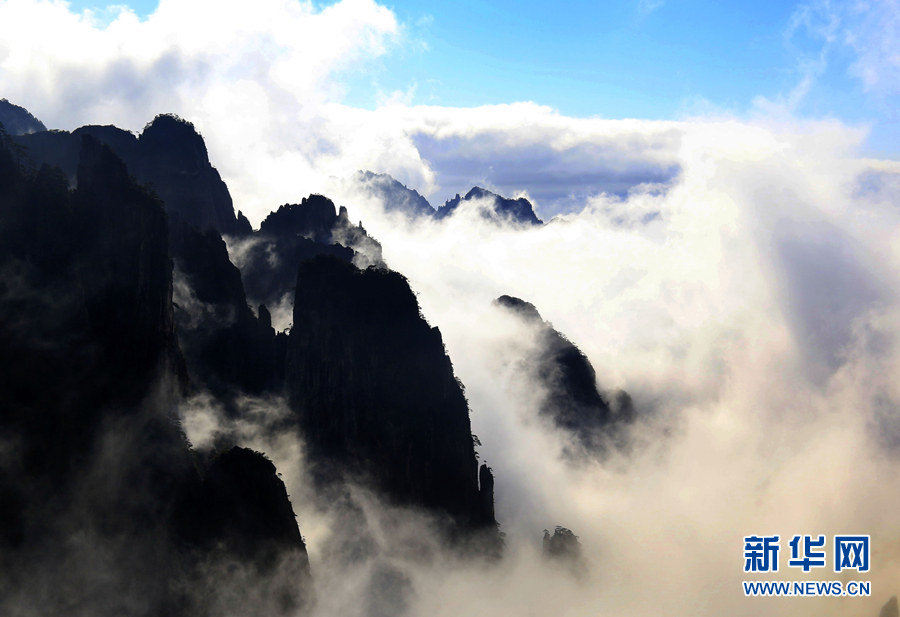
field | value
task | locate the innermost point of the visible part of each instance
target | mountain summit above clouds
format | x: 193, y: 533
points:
x: 169, y: 154
x: 494, y: 207
x: 396, y: 197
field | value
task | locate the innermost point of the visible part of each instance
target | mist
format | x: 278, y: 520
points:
x: 748, y: 306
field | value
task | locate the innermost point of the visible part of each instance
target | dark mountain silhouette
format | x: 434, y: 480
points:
x: 17, y: 120
x: 120, y: 297
x: 312, y: 218
x: 117, y: 298
x: 228, y: 349
x: 248, y: 505
x: 87, y: 285
x: 563, y: 548
x: 497, y: 208
x: 573, y: 401
x: 297, y: 232
x: 169, y: 154
x: 394, y: 195
x: 374, y: 392
x: 225, y: 347
x: 244, y: 518
x: 239, y: 523
x: 172, y: 156
x: 89, y: 370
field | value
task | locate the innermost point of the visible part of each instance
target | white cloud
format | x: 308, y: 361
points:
x: 645, y: 7
x: 870, y: 28
x: 254, y: 78
x: 753, y: 321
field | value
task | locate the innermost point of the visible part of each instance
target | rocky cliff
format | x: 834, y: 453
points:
x: 573, y: 401
x: 102, y: 503
x: 169, y: 154
x: 228, y: 349
x: 293, y: 233
x: 563, y: 549
x: 374, y: 390
x: 119, y: 296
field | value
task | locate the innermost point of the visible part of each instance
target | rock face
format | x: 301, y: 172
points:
x: 375, y: 392
x: 573, y: 401
x: 223, y: 342
x: 312, y: 218
x: 241, y: 521
x: 228, y: 349
x: 486, y: 492
x: 394, y: 196
x: 17, y: 120
x: 102, y: 504
x: 248, y: 506
x: 172, y: 156
x: 496, y: 208
x: 245, y: 517
x: 563, y: 548
x: 87, y: 290
x: 87, y: 331
x: 294, y: 233
x: 169, y: 154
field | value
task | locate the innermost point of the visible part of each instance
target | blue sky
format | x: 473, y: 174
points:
x: 643, y: 59
x: 587, y: 59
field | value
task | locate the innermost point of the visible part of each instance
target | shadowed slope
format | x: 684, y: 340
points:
x: 495, y: 208
x: 573, y: 401
x: 374, y: 389
x: 102, y: 508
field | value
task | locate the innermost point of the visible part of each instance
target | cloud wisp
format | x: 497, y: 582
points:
x: 820, y: 31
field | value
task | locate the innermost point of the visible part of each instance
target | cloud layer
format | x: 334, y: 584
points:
x: 753, y: 320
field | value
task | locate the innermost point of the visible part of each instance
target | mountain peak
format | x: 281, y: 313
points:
x: 476, y: 192
x: 524, y: 309
x: 177, y: 137
x: 395, y: 196
x: 313, y: 217
x: 499, y: 208
x: 573, y: 401
x: 18, y: 120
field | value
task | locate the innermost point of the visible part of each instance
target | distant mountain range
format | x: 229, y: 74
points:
x: 398, y: 198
